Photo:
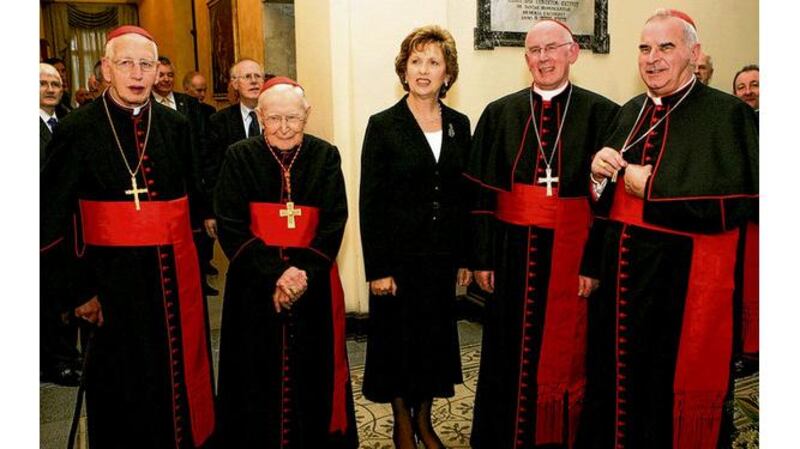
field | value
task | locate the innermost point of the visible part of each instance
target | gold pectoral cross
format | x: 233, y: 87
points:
x: 290, y: 212
x: 135, y: 192
x: 549, y: 180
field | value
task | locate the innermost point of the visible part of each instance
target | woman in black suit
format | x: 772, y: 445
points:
x: 412, y: 206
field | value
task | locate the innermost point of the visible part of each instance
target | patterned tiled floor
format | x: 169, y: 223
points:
x: 452, y: 417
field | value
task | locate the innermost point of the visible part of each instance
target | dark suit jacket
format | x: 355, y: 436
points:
x: 207, y: 111
x: 227, y: 128
x: 190, y: 108
x: 64, y: 107
x: 412, y: 205
x: 45, y: 136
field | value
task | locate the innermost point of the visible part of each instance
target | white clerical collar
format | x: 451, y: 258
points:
x: 170, y: 100
x: 45, y: 116
x: 134, y: 110
x: 548, y: 95
x: 657, y: 100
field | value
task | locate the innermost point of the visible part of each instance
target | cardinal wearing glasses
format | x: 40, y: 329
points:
x: 121, y: 167
x: 281, y: 210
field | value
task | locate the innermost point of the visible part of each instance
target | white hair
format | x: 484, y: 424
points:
x: 689, y: 32
x: 235, y: 68
x: 47, y: 69
x: 297, y: 90
x: 109, y: 54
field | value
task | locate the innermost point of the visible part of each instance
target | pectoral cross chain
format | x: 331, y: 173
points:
x: 549, y: 180
x: 135, y: 192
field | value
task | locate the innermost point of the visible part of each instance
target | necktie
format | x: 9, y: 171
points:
x: 167, y: 102
x: 253, y: 129
x: 52, y: 123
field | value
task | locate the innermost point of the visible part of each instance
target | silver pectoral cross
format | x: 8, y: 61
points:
x: 290, y: 212
x: 549, y: 180
x: 135, y: 192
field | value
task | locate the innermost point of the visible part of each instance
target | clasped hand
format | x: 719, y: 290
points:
x: 289, y: 288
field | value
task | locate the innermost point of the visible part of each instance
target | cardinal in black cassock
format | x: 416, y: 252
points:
x: 281, y: 210
x: 531, y: 153
x: 126, y: 165
x: 661, y: 327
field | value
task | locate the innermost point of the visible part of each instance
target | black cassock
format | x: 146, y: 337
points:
x: 413, y: 215
x: 149, y: 378
x: 661, y: 324
x: 531, y: 373
x: 280, y: 378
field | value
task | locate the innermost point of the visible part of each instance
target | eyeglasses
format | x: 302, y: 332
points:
x: 251, y: 77
x: 547, y: 50
x: 294, y: 121
x: 127, y: 65
x: 50, y: 84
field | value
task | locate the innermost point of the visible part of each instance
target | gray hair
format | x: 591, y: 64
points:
x: 689, y: 32
x: 47, y: 69
x: 109, y: 53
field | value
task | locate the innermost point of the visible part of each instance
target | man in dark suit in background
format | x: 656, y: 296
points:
x: 65, y: 104
x: 58, y: 354
x: 194, y: 84
x: 51, y: 90
x: 234, y: 123
x: 163, y: 92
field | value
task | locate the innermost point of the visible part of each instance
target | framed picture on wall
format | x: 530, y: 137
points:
x: 504, y: 23
x: 223, y: 45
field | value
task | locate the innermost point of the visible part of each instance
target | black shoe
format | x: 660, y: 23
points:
x: 745, y: 365
x: 63, y: 375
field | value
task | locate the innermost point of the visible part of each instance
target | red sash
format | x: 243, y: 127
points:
x: 561, y: 367
x: 704, y: 354
x: 750, y: 290
x: 267, y: 224
x: 118, y: 223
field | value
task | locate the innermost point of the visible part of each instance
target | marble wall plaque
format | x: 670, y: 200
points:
x: 505, y: 22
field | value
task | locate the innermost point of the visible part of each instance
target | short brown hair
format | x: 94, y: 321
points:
x: 418, y: 39
x: 747, y: 68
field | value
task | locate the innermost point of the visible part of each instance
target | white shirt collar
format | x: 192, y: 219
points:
x: 172, y: 103
x: 246, y: 117
x: 45, y: 116
x: 657, y: 100
x: 548, y: 95
x: 245, y: 111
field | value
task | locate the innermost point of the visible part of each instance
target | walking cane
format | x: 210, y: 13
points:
x: 76, y: 417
